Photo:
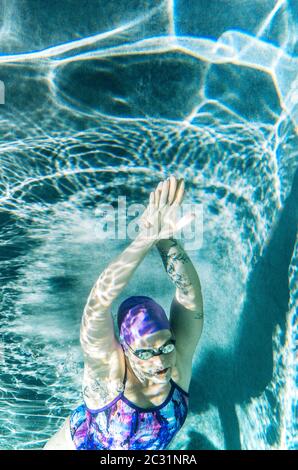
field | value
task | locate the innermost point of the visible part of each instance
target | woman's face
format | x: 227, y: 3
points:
x: 148, y: 369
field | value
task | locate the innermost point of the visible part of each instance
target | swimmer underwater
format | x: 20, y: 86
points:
x: 135, y: 389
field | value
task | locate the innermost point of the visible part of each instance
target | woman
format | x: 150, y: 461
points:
x: 135, y: 389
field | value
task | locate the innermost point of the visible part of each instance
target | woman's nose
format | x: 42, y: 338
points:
x: 161, y: 362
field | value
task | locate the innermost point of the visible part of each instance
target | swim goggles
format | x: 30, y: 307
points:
x: 145, y: 354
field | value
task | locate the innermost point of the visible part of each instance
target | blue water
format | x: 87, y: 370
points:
x: 105, y: 99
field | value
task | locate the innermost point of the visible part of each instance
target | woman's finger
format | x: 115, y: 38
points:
x: 151, y: 200
x: 164, y: 193
x: 158, y: 193
x: 157, y: 196
x: 179, y: 192
x: 172, y: 189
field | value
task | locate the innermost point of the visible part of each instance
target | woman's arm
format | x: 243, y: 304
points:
x: 100, y: 347
x: 183, y: 274
x: 97, y: 334
x: 186, y: 313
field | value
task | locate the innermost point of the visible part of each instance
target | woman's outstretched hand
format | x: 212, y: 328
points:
x: 160, y: 219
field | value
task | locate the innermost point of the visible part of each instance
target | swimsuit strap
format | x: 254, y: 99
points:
x: 125, y: 374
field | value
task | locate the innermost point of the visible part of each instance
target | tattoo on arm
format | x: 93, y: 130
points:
x: 169, y: 260
x: 181, y: 282
x: 99, y: 388
x: 180, y: 270
x: 174, y: 257
x: 102, y: 390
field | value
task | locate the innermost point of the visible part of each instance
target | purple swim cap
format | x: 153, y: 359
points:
x: 140, y: 316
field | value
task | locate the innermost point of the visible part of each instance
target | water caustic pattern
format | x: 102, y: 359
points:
x: 103, y: 100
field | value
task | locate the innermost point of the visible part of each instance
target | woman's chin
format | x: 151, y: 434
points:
x: 163, y: 378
